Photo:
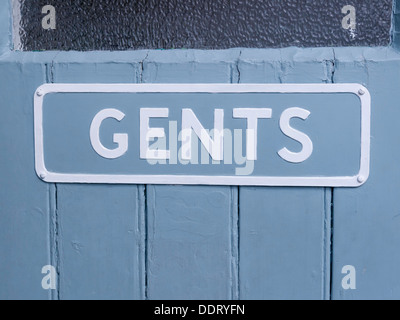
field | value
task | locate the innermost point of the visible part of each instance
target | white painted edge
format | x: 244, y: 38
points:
x: 338, y: 181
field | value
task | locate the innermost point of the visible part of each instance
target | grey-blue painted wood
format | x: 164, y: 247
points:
x: 190, y: 248
x: 192, y: 243
x: 24, y: 199
x: 366, y: 220
x: 284, y: 232
x: 196, y: 242
x: 282, y: 243
x: 100, y: 228
x: 99, y: 242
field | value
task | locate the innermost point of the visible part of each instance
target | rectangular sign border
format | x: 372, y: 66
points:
x: 339, y: 181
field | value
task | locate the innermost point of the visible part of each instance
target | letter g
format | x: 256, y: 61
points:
x: 119, y: 138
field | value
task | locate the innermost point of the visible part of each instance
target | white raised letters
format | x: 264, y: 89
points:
x: 119, y: 138
x: 215, y: 147
x: 305, y: 153
x: 212, y: 140
x: 148, y: 134
x: 252, y: 115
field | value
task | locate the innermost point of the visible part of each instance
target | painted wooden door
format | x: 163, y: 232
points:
x: 197, y: 242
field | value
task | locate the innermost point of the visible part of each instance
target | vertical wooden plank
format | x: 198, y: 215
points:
x: 189, y: 242
x: 281, y: 237
x: 101, y: 227
x: 367, y: 224
x: 24, y: 199
x: 191, y: 246
x: 284, y: 234
x: 99, y: 242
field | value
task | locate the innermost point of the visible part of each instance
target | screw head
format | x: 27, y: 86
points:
x: 361, y: 92
x: 39, y: 93
x: 42, y: 176
x: 361, y: 179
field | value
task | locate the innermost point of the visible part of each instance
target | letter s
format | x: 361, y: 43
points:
x: 305, y: 153
x: 119, y: 138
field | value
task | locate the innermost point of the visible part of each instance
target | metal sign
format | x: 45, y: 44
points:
x: 210, y: 134
x: 192, y: 24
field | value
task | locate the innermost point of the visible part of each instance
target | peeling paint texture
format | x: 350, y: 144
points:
x: 202, y: 24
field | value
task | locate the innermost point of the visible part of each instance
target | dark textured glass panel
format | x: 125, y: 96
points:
x: 202, y: 24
